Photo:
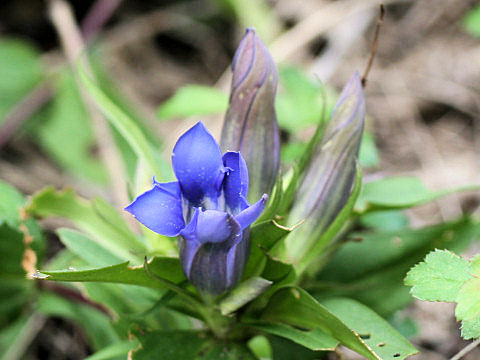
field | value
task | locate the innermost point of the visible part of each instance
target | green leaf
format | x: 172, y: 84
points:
x: 368, y: 155
x: 124, y: 124
x: 400, y: 193
x: 294, y: 306
x: 119, y: 349
x: 96, y: 324
x: 471, y: 22
x: 243, y: 294
x: 315, y: 340
x: 468, y: 303
x: 377, y: 333
x: 387, y: 220
x: 263, y: 236
x: 165, y: 268
x: 87, y: 249
x: 372, y: 266
x: 20, y: 70
x: 96, y: 218
x: 195, y: 345
x: 66, y: 134
x: 300, y: 101
x: 439, y: 277
x: 11, y: 202
x: 191, y: 100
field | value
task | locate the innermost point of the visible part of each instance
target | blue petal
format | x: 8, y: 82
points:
x: 210, y: 226
x: 236, y: 182
x: 197, y: 163
x: 160, y: 209
x: 205, y: 245
x: 250, y: 214
x: 237, y: 259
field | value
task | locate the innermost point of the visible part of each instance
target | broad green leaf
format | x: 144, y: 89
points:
x: 471, y: 22
x: 284, y: 349
x: 387, y: 220
x: 300, y: 101
x: 371, y: 268
x: 86, y: 248
x: 95, y: 217
x: 439, y: 277
x: 20, y: 70
x: 66, y: 133
x: 400, y: 193
x: 166, y: 268
x: 315, y: 340
x: 294, y: 306
x: 194, y: 345
x: 377, y: 333
x: 124, y: 124
x: 114, y: 351
x: 243, y: 294
x: 192, y: 100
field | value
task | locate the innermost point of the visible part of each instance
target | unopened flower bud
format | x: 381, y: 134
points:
x: 250, y: 123
x: 329, y: 178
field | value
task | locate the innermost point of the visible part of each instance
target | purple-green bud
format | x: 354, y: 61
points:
x: 329, y: 178
x: 250, y: 123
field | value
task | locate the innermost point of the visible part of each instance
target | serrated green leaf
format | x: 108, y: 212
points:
x: 165, y: 268
x: 471, y: 328
x: 95, y: 217
x: 400, y: 193
x: 294, y: 306
x: 195, y: 345
x: 124, y: 124
x: 377, y: 333
x: 439, y: 277
x: 243, y: 293
x: 192, y: 100
x: 315, y: 340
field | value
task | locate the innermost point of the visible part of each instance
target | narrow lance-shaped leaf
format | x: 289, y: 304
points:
x: 329, y: 178
x: 250, y: 124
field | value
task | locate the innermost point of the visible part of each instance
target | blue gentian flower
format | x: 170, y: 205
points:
x: 206, y: 208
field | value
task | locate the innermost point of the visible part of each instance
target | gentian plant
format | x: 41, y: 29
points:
x: 206, y: 208
x: 242, y: 257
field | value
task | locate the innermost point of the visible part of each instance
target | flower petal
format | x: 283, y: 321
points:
x: 250, y: 214
x: 205, y: 244
x: 197, y: 163
x: 160, y: 209
x: 236, y: 182
x: 237, y: 259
